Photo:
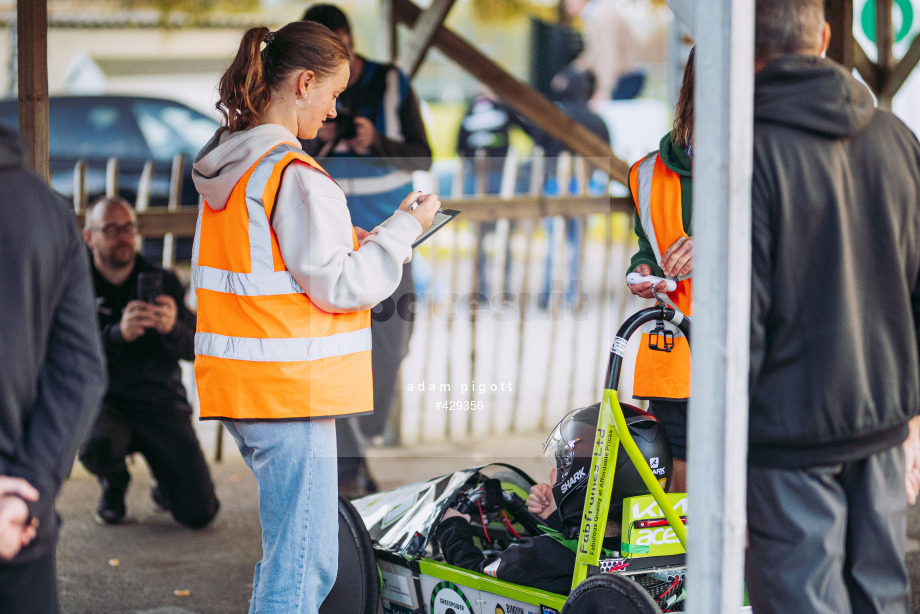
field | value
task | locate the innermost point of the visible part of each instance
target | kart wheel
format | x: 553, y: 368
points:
x: 357, y: 584
x: 608, y: 593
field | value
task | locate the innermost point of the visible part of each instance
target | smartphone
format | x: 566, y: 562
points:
x: 149, y: 286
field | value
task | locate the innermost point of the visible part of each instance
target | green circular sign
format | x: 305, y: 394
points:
x: 448, y: 598
x: 867, y: 19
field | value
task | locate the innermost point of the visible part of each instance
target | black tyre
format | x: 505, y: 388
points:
x: 609, y: 594
x: 356, y: 586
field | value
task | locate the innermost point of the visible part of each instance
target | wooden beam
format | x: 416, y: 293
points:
x: 525, y: 99
x: 387, y: 46
x: 158, y: 222
x: 902, y: 71
x: 884, y: 40
x: 867, y: 70
x: 840, y: 17
x: 32, y: 54
x: 423, y: 31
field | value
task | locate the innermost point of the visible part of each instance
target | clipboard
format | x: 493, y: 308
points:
x: 441, y: 218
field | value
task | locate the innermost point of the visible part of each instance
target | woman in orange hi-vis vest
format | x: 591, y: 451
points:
x: 284, y: 285
x: 662, y: 189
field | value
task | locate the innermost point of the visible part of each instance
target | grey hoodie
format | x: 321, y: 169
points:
x: 836, y: 258
x: 312, y: 223
x: 53, y: 370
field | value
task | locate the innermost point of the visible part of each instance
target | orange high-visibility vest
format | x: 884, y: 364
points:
x: 263, y: 349
x: 656, y: 192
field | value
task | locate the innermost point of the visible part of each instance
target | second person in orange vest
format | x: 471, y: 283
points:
x: 285, y: 285
x: 662, y: 189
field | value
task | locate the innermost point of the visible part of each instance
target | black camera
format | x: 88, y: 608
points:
x: 345, y: 126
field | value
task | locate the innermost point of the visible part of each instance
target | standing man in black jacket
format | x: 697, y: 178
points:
x: 51, y: 380
x: 835, y: 378
x: 145, y: 408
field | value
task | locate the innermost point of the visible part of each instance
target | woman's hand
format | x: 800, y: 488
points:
x: 427, y: 206
x: 677, y: 260
x: 645, y: 289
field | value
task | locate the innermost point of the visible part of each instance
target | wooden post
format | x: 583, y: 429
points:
x: 32, y: 53
x: 840, y: 17
x: 884, y: 39
x: 387, y: 43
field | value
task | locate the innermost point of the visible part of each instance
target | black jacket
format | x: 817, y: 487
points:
x: 144, y: 374
x: 835, y: 257
x: 51, y: 366
x: 540, y: 562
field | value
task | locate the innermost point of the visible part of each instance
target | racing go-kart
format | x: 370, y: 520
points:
x: 390, y: 561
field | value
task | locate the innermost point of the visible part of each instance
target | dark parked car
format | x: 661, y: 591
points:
x: 132, y: 129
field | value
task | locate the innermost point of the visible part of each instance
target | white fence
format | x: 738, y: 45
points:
x: 518, y: 299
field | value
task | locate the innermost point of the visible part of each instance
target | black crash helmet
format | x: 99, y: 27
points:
x: 571, y: 445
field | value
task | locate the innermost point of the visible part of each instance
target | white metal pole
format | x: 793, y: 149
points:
x: 722, y: 153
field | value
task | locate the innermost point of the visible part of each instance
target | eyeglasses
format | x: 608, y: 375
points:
x: 111, y: 231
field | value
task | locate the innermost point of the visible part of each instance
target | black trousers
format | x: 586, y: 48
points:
x: 168, y: 442
x: 29, y: 588
x: 391, y: 328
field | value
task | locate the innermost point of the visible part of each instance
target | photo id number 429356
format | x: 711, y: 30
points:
x: 458, y: 405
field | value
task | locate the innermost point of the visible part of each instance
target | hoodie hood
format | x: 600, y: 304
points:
x: 675, y: 158
x: 228, y: 156
x: 11, y: 152
x: 813, y: 94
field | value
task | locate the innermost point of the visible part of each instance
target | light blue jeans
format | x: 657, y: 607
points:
x: 294, y: 464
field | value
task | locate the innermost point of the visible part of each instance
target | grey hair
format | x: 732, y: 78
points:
x: 785, y: 27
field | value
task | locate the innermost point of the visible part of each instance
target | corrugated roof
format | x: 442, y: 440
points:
x: 146, y: 18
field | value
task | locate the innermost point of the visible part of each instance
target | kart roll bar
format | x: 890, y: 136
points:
x: 633, y: 323
x: 612, y: 431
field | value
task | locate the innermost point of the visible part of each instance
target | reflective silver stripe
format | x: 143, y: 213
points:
x: 282, y: 350
x: 260, y: 241
x: 356, y: 186
x: 391, y: 102
x: 646, y: 172
x: 196, y: 243
x: 245, y: 284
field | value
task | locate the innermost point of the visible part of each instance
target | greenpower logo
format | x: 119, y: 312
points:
x: 902, y: 16
x: 448, y: 598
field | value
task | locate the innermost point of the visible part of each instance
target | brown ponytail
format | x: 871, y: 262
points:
x: 246, y: 86
x: 682, y: 133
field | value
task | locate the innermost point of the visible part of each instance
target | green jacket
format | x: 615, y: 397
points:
x: 676, y: 159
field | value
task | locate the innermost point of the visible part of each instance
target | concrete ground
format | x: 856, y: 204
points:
x: 151, y: 565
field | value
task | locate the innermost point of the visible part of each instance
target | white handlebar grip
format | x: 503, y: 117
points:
x: 635, y: 278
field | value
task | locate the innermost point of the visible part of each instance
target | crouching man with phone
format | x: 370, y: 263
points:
x: 146, y: 329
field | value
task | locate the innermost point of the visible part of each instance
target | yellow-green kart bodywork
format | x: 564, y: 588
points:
x: 413, y: 579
